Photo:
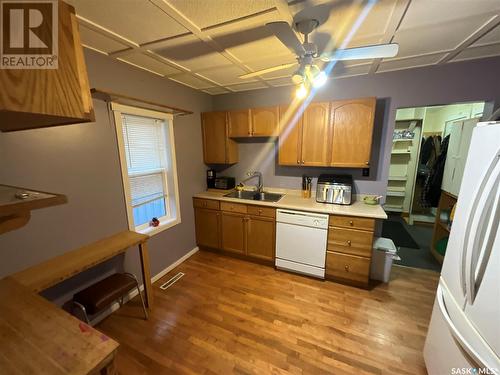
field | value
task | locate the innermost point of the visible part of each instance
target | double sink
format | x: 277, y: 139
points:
x: 256, y: 196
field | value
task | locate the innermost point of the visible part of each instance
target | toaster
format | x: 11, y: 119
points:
x: 334, y: 188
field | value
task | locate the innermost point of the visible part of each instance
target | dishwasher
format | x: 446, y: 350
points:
x: 301, y: 242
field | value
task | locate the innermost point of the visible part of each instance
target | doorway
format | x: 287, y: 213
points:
x: 428, y: 145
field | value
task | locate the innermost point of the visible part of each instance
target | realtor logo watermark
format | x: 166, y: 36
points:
x: 29, y: 34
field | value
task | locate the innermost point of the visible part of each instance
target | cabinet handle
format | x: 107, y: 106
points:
x: 351, y: 223
x: 302, y: 161
x: 298, y: 162
x: 367, y: 162
x: 346, y: 267
x: 260, y: 210
x: 349, y: 242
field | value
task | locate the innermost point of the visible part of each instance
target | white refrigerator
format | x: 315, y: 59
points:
x: 464, y: 332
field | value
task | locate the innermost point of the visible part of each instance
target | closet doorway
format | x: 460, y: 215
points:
x: 428, y: 143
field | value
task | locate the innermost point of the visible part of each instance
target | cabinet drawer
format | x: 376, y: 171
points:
x: 233, y: 207
x: 261, y: 211
x: 350, y: 241
x: 352, y: 222
x: 206, y: 203
x: 348, y: 267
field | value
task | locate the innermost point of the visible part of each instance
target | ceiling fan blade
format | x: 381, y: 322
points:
x: 377, y: 51
x: 267, y: 70
x: 287, y: 36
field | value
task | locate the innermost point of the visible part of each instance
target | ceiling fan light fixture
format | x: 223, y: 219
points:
x: 301, y: 91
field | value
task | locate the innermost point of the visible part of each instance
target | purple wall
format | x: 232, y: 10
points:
x: 456, y: 82
x: 82, y: 162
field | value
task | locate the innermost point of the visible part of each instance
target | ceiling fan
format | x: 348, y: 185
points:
x: 308, y: 73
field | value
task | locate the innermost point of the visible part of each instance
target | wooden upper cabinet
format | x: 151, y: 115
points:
x: 217, y: 147
x: 352, y: 132
x: 290, y: 134
x: 239, y: 123
x: 36, y: 98
x: 264, y: 121
x: 315, y: 135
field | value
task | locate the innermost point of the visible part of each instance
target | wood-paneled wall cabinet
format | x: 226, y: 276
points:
x: 246, y: 230
x: 49, y: 97
x: 218, y: 148
x: 349, y: 249
x: 253, y: 122
x: 352, y: 132
x: 337, y: 134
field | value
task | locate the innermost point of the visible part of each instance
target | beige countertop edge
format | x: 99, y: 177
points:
x: 296, y: 202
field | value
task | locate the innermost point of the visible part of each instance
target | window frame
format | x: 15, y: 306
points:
x: 165, y: 221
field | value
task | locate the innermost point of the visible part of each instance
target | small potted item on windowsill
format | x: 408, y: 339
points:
x: 154, y: 222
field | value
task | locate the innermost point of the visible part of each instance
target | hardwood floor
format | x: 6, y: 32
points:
x: 230, y: 316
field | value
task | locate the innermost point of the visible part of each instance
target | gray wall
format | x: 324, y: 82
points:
x: 82, y: 162
x: 450, y: 83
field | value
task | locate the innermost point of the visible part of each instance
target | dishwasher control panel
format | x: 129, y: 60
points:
x: 308, y: 219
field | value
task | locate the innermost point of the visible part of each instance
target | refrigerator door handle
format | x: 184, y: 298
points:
x: 471, y: 216
x: 480, y: 244
x: 456, y: 333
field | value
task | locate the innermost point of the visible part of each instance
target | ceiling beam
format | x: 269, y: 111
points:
x: 397, y: 16
x: 484, y: 29
x: 171, y: 11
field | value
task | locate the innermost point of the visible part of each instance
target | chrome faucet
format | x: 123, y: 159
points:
x: 260, y: 184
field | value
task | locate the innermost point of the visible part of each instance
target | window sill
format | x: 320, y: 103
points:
x: 151, y: 231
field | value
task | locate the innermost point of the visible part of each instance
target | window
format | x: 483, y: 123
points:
x: 147, y: 157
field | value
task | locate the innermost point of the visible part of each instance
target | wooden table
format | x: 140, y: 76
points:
x: 55, y: 270
x: 37, y: 337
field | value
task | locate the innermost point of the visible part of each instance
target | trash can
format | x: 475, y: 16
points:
x: 384, y: 252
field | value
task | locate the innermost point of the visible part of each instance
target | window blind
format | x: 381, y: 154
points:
x: 145, y: 150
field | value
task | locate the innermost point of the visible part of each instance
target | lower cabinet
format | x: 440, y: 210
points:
x: 233, y: 232
x: 247, y: 230
x: 349, y: 249
x: 207, y: 227
x: 261, y: 237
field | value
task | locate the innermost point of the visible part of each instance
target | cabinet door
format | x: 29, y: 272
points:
x: 239, y: 123
x: 290, y: 130
x: 217, y: 147
x: 260, y: 237
x: 233, y: 232
x: 264, y: 121
x: 315, y: 135
x: 352, y: 132
x: 207, y: 227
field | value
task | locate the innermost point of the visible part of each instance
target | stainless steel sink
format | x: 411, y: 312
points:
x: 251, y: 195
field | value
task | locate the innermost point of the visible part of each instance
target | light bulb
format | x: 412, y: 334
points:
x: 319, y: 80
x: 301, y: 92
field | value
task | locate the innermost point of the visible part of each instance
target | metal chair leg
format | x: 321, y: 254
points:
x: 81, y: 307
x: 140, y: 294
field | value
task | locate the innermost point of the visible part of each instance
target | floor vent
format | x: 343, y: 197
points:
x: 172, y: 281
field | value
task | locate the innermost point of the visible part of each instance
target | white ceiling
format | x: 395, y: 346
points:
x: 207, y: 44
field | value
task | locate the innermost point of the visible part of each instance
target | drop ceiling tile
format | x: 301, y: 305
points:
x: 150, y: 63
x: 492, y: 37
x: 398, y: 64
x: 269, y: 63
x: 277, y: 82
x: 138, y: 21
x: 247, y: 86
x: 342, y: 70
x: 266, y: 48
x: 225, y: 75
x: 98, y: 41
x: 437, y: 37
x: 215, y: 90
x: 212, y: 12
x: 478, y: 52
x: 378, y: 19
x: 191, y: 53
x: 423, y: 13
x: 191, y: 80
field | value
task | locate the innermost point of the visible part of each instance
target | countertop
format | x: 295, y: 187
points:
x: 294, y: 201
x: 37, y: 337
